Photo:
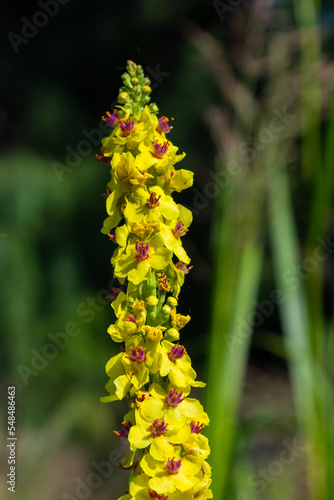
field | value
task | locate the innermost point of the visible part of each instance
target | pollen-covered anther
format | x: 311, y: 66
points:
x: 127, y: 126
x: 196, y: 428
x: 103, y: 159
x: 179, y: 229
x: 182, y: 266
x: 174, y: 398
x: 158, y: 427
x: 111, y: 119
x: 176, y: 353
x: 124, y: 430
x: 156, y: 496
x: 138, y: 355
x: 164, y: 286
x: 159, y: 150
x: 163, y: 125
x: 112, y: 236
x: 153, y: 201
x: 173, y: 466
x: 130, y: 318
x: 142, y: 250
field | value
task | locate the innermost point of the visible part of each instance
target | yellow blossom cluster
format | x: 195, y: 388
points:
x: 153, y: 371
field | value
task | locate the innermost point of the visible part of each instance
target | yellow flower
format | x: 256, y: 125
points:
x: 129, y: 169
x: 201, y: 490
x: 128, y: 323
x: 136, y: 263
x: 177, y: 365
x: 174, y: 407
x: 178, y: 320
x: 119, y: 384
x: 173, y: 231
x: 143, y: 229
x: 176, y: 472
x: 177, y: 180
x: 140, y: 490
x: 152, y: 205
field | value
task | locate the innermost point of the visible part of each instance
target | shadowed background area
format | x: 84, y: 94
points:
x: 249, y: 86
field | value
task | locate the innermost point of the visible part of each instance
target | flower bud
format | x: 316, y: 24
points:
x: 123, y: 97
x: 132, y: 299
x: 152, y: 301
x: 166, y: 310
x: 173, y: 334
x: 147, y: 89
x: 134, y: 80
x: 172, y: 302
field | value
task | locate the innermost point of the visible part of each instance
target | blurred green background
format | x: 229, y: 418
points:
x: 249, y: 85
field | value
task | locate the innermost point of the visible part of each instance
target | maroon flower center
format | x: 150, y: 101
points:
x: 124, y: 430
x: 173, y: 398
x: 142, y: 250
x: 153, y: 201
x: 111, y: 119
x: 138, y: 355
x: 158, y: 428
x: 181, y: 265
x: 127, y: 126
x: 179, y: 229
x: 160, y: 149
x: 173, y: 466
x: 155, y: 496
x: 176, y: 353
x: 163, y: 125
x: 196, y: 428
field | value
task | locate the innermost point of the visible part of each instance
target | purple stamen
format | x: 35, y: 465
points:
x: 203, y: 473
x: 131, y: 318
x: 163, y: 125
x: 173, y: 466
x: 103, y: 159
x: 158, y: 428
x: 142, y: 250
x: 174, y: 398
x: 176, y: 353
x: 160, y: 149
x: 138, y: 355
x: 127, y: 126
x: 153, y: 201
x: 115, y: 292
x: 181, y: 265
x: 196, y: 428
x: 124, y: 430
x: 179, y: 229
x: 111, y: 119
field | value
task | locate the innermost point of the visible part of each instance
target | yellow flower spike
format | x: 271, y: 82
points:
x: 164, y: 426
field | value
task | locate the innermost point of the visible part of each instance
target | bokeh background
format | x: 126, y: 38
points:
x: 249, y: 85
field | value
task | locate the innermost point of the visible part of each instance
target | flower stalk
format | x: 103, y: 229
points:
x: 168, y: 452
